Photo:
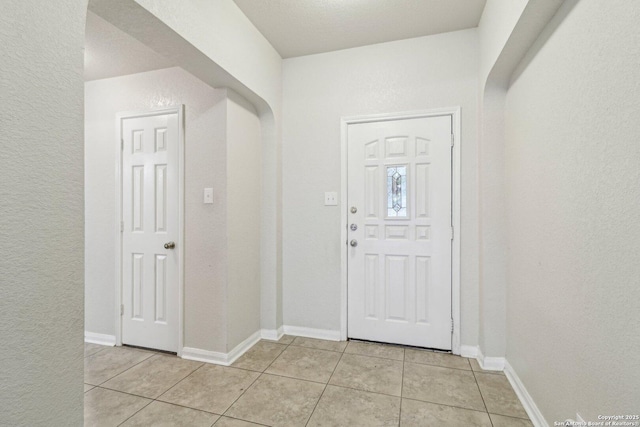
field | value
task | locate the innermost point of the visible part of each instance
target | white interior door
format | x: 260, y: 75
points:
x: 150, y: 234
x: 400, y: 231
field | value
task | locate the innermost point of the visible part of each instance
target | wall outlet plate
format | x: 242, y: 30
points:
x: 331, y: 198
x: 208, y: 196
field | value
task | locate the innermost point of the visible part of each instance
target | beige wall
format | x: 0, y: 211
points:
x: 572, y: 192
x: 41, y: 212
x: 416, y: 74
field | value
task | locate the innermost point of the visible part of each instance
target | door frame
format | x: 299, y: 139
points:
x: 454, y: 112
x: 120, y: 117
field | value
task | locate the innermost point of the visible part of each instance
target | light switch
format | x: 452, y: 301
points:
x: 208, y: 195
x: 331, y: 198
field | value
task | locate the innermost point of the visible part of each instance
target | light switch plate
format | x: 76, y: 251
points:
x: 331, y: 198
x: 208, y: 196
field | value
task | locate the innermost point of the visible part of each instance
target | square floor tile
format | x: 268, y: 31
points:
x: 277, y: 401
x: 110, y: 408
x: 111, y: 361
x: 160, y: 414
x: 418, y: 414
x: 211, y: 388
x: 305, y: 364
x: 260, y: 356
x: 320, y: 344
x: 499, y: 396
x: 502, y: 421
x: 375, y: 350
x: 90, y: 348
x: 476, y: 368
x: 232, y: 422
x: 346, y: 407
x: 427, y: 357
x: 369, y: 374
x: 153, y: 376
x: 454, y: 387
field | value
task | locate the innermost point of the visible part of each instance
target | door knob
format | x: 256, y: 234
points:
x: 169, y: 245
x: 354, y: 209
x: 354, y: 243
x: 354, y: 227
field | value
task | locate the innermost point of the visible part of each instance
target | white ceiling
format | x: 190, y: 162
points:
x: 294, y: 28
x: 109, y: 52
x: 304, y: 27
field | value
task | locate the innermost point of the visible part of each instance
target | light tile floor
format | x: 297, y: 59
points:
x: 297, y: 382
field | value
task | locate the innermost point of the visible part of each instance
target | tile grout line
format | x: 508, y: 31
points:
x: 242, y: 394
x: 325, y: 387
x: 489, y: 375
x: 160, y: 395
x: 132, y: 415
x: 447, y: 405
x: 252, y: 383
x: 156, y: 399
x: 404, y: 356
x: 129, y: 368
x: 440, y: 366
x: 89, y: 355
x: 481, y: 396
x: 240, y: 419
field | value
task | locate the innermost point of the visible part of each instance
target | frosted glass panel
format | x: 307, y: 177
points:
x: 396, y: 191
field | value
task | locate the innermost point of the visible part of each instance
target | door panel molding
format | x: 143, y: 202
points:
x: 159, y: 146
x: 454, y: 112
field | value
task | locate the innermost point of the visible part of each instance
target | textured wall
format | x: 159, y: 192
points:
x: 247, y: 63
x: 415, y: 74
x: 243, y: 220
x: 205, y: 166
x: 41, y: 212
x: 496, y: 27
x: 572, y: 157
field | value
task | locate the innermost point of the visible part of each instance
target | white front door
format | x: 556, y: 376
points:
x: 150, y: 222
x: 399, y: 236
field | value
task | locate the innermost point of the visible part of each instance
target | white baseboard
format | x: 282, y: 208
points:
x: 101, y: 339
x: 272, y: 334
x: 322, y: 334
x: 470, y: 351
x: 490, y: 363
x: 219, y: 358
x: 527, y: 401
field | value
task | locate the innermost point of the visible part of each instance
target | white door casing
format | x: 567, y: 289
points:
x: 399, y: 275
x: 150, y: 285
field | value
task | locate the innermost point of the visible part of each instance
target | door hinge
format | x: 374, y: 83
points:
x: 453, y: 137
x: 121, y: 226
x: 451, y: 325
x: 121, y: 309
x: 452, y: 232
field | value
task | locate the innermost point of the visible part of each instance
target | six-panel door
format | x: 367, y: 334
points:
x: 399, y: 231
x: 150, y: 220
